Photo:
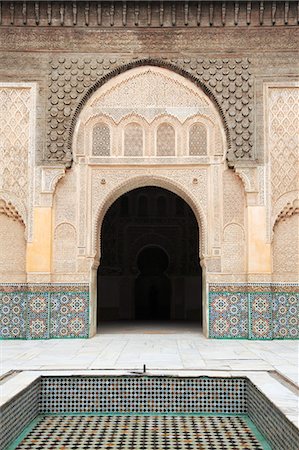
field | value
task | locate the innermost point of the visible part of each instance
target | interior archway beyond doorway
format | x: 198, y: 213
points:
x: 149, y: 267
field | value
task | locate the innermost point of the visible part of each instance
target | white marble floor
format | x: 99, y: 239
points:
x: 175, y: 347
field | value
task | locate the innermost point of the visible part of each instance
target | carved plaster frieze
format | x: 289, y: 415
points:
x: 50, y: 178
x: 249, y: 177
x: 73, y: 79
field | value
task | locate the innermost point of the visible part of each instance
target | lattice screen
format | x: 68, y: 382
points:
x: 165, y: 140
x: 101, y: 140
x: 198, y: 139
x: 133, y: 140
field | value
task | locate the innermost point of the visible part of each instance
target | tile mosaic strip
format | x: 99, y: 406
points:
x: 260, y: 307
x: 18, y: 413
x: 228, y: 315
x: 141, y: 432
x: 254, y: 287
x: 42, y: 311
x: 69, y: 314
x: 13, y: 315
x: 38, y: 315
x: 142, y: 395
x: 277, y: 429
x: 285, y: 315
x: 261, y: 311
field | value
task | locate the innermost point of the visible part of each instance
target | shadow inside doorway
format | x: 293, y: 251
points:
x: 149, y: 327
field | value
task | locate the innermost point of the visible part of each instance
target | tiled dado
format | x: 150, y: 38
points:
x: 43, y: 311
x: 254, y: 311
x: 133, y: 394
x: 115, y: 395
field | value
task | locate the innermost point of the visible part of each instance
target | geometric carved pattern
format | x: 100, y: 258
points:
x: 64, y: 249
x: 14, y: 138
x: 101, y: 140
x: 36, y: 311
x: 133, y: 142
x: 283, y: 140
x: 233, y: 198
x: 285, y: 246
x: 233, y: 249
x: 228, y: 80
x: 165, y: 140
x: 228, y: 315
x: 198, y: 139
x: 12, y: 247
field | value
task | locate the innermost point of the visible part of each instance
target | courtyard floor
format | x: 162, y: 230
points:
x: 162, y: 347
x: 165, y: 349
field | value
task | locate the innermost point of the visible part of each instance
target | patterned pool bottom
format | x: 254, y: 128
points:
x: 140, y: 433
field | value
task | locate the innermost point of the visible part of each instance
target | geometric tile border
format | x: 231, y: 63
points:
x: 132, y: 394
x: 260, y: 310
x: 228, y: 315
x: 285, y: 315
x: 37, y: 315
x: 69, y: 314
x: 236, y: 311
x: 38, y: 311
x: 13, y: 315
x: 254, y: 310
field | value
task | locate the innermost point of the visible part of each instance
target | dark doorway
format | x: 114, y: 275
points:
x: 152, y: 286
x: 149, y: 268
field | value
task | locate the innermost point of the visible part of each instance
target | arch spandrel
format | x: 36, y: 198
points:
x: 146, y: 94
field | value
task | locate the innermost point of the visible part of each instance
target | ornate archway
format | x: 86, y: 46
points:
x: 138, y: 229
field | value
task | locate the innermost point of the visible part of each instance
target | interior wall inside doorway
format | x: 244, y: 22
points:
x: 149, y: 268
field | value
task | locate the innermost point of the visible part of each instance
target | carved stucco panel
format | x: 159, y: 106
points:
x: 17, y: 147
x: 285, y: 247
x: 234, y: 257
x: 72, y: 79
x: 12, y: 249
x: 282, y: 119
x: 233, y: 198
x: 65, y: 199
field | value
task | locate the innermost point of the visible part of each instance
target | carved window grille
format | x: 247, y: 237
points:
x: 198, y: 140
x: 101, y: 140
x: 165, y: 140
x: 133, y: 141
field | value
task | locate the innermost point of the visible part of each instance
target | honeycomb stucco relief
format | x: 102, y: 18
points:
x: 73, y: 79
